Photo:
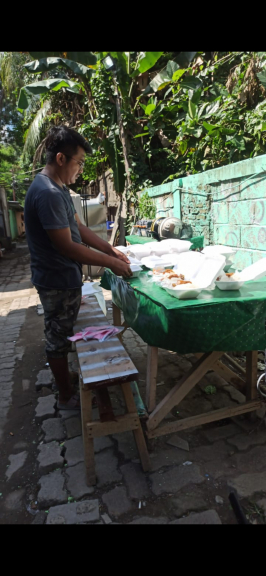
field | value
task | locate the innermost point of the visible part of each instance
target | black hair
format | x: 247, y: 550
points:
x: 65, y: 140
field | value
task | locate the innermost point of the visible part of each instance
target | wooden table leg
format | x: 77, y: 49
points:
x: 228, y: 374
x: 252, y: 374
x: 88, y: 444
x: 180, y: 390
x: 151, y: 377
x: 116, y: 316
x: 138, y: 434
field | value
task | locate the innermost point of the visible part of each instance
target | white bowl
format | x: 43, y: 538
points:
x: 183, y: 293
x: 229, y: 285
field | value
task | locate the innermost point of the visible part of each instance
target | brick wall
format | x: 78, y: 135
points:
x: 226, y: 205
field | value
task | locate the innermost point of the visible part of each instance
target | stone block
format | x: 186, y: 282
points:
x: 53, y: 429
x: 188, y: 502
x: 16, y: 462
x: 149, y: 520
x: 221, y: 432
x: 248, y: 484
x: 44, y: 378
x: 49, y: 457
x: 244, y: 441
x: 102, y: 442
x: 207, y: 517
x: 52, y: 490
x: 166, y: 457
x: 76, y: 481
x: 74, y: 451
x: 135, y: 481
x: 126, y: 445
x: 73, y: 427
x: 45, y: 408
x: 178, y: 442
x: 176, y: 478
x: 117, y: 501
x: 75, y: 513
x: 106, y: 468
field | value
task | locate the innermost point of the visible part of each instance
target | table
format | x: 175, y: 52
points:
x: 208, y: 326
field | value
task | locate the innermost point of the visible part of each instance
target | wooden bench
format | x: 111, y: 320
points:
x: 104, y: 364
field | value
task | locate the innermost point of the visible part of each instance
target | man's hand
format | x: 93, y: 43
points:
x: 120, y: 268
x: 117, y: 254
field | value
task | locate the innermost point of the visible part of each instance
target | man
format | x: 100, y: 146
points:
x: 55, y: 236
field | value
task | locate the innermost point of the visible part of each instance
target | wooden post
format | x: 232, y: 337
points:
x: 138, y: 434
x: 151, y: 377
x: 86, y: 416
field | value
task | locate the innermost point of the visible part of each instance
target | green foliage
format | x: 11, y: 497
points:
x: 42, y: 87
x: 196, y: 111
x: 86, y: 58
x: 45, y: 64
x: 33, y: 134
x: 146, y: 208
x: 11, y: 176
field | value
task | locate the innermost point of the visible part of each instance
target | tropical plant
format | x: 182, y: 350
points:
x: 159, y: 116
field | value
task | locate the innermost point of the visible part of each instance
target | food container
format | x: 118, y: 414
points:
x: 140, y: 251
x: 255, y: 271
x: 230, y: 285
x: 136, y: 270
x: 201, y: 269
x: 156, y: 262
x: 227, y: 251
x: 184, y: 292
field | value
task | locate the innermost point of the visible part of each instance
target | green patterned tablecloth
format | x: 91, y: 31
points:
x: 216, y: 320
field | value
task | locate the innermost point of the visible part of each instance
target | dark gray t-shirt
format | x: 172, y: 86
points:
x: 49, y: 207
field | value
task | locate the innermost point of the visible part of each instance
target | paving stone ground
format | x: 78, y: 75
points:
x: 192, y: 473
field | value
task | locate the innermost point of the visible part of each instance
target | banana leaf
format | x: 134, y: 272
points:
x: 86, y: 58
x: 42, y: 87
x: 50, y: 63
x: 146, y: 62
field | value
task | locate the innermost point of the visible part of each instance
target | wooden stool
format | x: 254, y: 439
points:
x: 104, y: 364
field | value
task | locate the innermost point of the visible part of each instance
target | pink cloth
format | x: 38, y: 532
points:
x: 96, y: 333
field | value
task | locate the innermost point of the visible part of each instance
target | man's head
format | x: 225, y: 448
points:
x: 65, y: 151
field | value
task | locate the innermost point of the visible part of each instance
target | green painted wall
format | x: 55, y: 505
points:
x: 227, y: 205
x: 13, y: 224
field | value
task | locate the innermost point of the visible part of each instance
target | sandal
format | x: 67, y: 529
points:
x: 72, y: 404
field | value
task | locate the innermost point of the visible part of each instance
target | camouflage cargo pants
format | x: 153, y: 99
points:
x: 61, y: 308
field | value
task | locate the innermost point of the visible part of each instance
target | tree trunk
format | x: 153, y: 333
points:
x: 124, y: 207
